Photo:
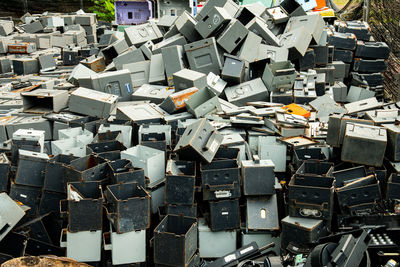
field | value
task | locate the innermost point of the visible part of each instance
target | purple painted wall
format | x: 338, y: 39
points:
x: 131, y: 13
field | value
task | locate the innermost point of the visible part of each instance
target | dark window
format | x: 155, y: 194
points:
x: 130, y: 15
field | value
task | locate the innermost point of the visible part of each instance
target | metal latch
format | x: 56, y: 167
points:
x: 222, y: 194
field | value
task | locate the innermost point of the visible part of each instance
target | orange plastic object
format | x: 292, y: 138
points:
x: 325, y: 12
x: 297, y: 110
x: 320, y: 4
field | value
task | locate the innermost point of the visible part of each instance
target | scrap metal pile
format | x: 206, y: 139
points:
x: 198, y: 140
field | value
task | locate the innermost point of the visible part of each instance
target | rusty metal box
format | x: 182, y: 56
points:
x: 262, y: 213
x: 31, y: 166
x: 123, y: 172
x: 85, y: 210
x: 177, y: 101
x: 175, y: 240
x: 128, y: 207
x: 180, y: 182
x: 367, y: 190
x: 199, y: 139
x: 311, y: 197
x: 22, y: 48
x: 220, y: 180
x: 364, y: 144
x: 301, y: 231
x: 258, y: 177
x: 224, y: 215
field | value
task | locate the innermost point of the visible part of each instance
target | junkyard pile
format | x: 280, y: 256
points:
x: 180, y: 141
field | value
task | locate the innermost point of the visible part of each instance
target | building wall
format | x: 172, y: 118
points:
x: 139, y: 12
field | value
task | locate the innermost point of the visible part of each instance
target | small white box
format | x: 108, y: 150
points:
x: 84, y: 246
x: 68, y: 147
x: 215, y: 244
x: 30, y: 135
x: 53, y: 22
x: 128, y: 247
x: 73, y: 132
x: 72, y: 141
x: 126, y: 131
x: 150, y: 159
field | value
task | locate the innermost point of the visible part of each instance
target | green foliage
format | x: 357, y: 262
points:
x: 104, y: 9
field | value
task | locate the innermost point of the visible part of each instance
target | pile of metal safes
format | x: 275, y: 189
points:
x: 198, y: 141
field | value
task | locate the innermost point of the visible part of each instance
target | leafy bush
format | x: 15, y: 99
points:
x: 104, y: 9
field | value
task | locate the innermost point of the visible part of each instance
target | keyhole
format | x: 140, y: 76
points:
x: 263, y: 213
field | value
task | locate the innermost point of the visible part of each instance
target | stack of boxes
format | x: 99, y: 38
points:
x: 176, y: 231
x: 128, y: 210
x: 35, y: 173
x: 144, y: 157
x: 364, y: 57
x: 221, y: 184
x: 28, y: 150
x: 356, y: 181
x: 83, y: 237
x: 89, y: 24
x: 262, y: 217
x: 311, y: 196
x: 78, y: 32
x: 180, y: 188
